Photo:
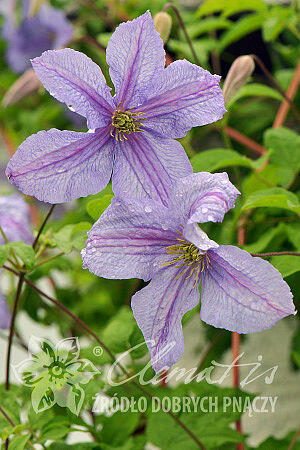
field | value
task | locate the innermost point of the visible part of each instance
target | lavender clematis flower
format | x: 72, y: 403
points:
x: 4, y: 314
x: 47, y: 29
x: 165, y: 244
x: 133, y: 131
x: 15, y: 222
x: 15, y: 219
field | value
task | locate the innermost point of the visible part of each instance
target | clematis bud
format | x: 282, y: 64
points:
x: 239, y: 72
x: 163, y: 25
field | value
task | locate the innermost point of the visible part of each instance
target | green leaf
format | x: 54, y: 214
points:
x: 266, y: 238
x: 293, y: 233
x: 296, y: 357
x: 277, y: 20
x: 25, y: 252
x: 212, y: 160
x: 255, y: 90
x: 273, y: 198
x: 4, y: 251
x: 230, y: 7
x: 244, y: 26
x: 79, y: 234
x: 19, y: 442
x: 285, y: 146
x: 97, y: 206
x: 286, y: 264
x: 211, y: 429
x: 117, y: 333
x: 118, y: 427
x: 204, y: 26
x: 71, y: 236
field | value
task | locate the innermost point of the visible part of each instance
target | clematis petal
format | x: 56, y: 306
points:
x: 134, y: 53
x: 158, y: 309
x: 181, y: 97
x: 147, y: 166
x: 203, y: 197
x: 4, y: 314
x: 59, y: 166
x: 243, y: 293
x: 129, y: 240
x: 15, y: 219
x: 73, y: 78
x: 193, y: 233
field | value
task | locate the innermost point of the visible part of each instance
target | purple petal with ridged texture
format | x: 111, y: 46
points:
x: 158, y: 309
x: 147, y: 166
x: 193, y: 233
x: 130, y: 239
x: 243, y: 293
x: 15, y: 219
x: 73, y: 78
x: 135, y: 53
x: 203, y: 197
x: 59, y: 166
x: 4, y: 314
x: 181, y: 97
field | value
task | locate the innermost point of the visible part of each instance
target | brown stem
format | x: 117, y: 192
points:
x: 35, y: 242
x: 7, y: 417
x: 12, y: 327
x: 275, y: 254
x: 114, y: 360
x: 245, y: 140
x: 294, y: 440
x: 277, y: 86
x: 285, y: 105
x: 181, y: 23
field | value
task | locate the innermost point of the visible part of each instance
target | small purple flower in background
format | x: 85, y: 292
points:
x: 148, y: 240
x: 15, y: 223
x: 131, y: 133
x: 4, y: 314
x: 15, y: 219
x: 47, y: 29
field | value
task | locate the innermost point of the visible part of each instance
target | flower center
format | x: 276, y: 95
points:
x: 188, y: 256
x: 125, y: 122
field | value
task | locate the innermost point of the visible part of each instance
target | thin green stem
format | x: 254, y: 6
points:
x: 48, y: 259
x: 181, y: 23
x: 35, y: 242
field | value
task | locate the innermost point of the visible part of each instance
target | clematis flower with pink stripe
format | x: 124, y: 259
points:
x: 131, y: 133
x: 166, y: 245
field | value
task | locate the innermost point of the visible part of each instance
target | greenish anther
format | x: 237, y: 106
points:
x: 125, y: 122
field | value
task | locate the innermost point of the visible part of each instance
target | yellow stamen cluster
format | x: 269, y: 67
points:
x: 190, y: 257
x: 125, y: 122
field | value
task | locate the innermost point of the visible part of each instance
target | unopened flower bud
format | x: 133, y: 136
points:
x: 163, y: 25
x: 239, y: 72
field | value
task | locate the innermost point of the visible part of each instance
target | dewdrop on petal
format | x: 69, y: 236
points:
x: 239, y: 72
x: 163, y: 25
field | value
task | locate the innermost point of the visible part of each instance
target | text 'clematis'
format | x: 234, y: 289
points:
x: 148, y: 240
x: 131, y: 133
